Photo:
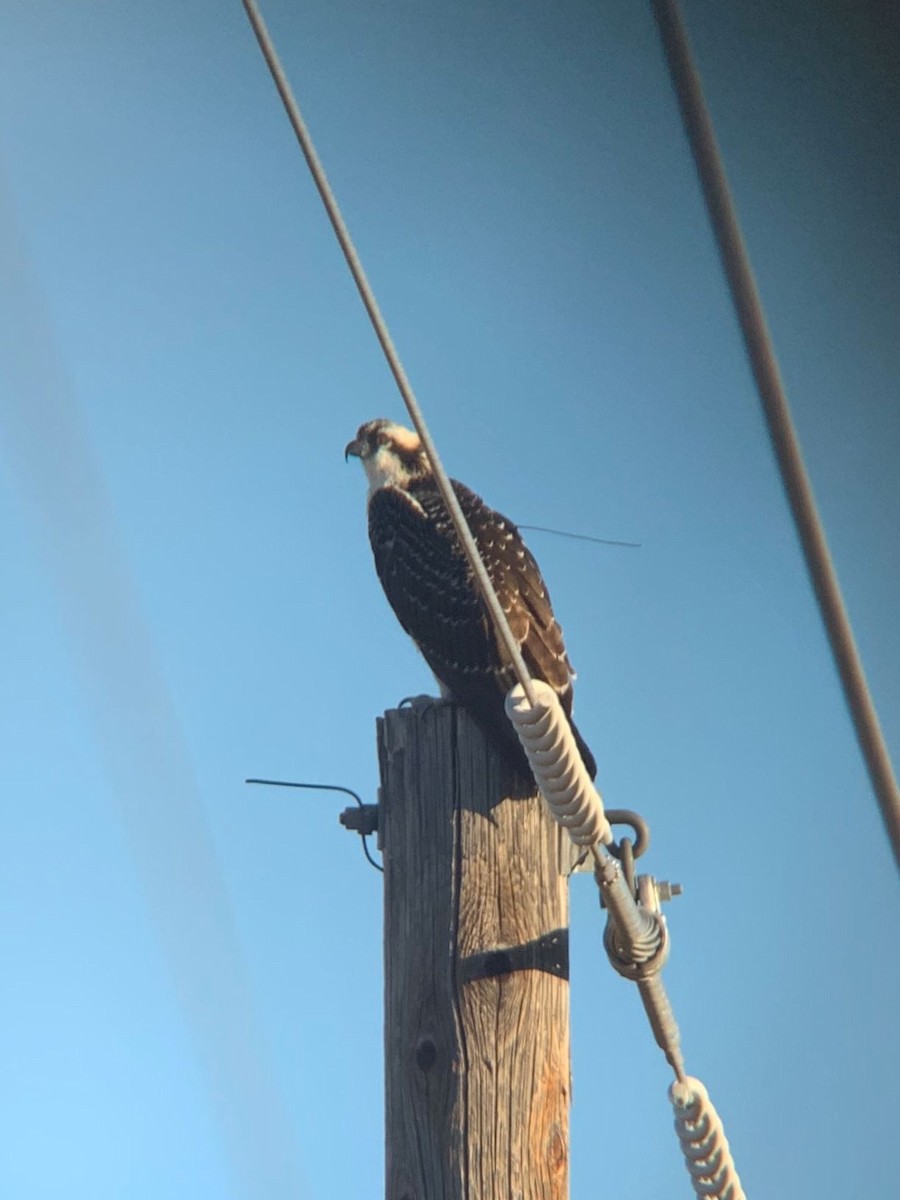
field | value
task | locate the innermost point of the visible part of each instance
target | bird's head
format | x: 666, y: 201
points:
x: 389, y: 453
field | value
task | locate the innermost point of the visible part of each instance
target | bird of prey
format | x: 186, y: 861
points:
x: 429, y: 584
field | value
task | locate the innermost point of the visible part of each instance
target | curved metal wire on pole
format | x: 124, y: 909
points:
x: 708, y: 161
x: 501, y: 625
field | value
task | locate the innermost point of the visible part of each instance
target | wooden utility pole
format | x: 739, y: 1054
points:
x: 476, y: 969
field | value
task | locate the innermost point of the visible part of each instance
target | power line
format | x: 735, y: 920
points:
x: 744, y: 294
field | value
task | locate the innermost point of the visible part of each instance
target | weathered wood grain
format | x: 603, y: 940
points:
x: 477, y: 1073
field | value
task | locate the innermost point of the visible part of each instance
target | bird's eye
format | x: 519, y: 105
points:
x: 383, y: 439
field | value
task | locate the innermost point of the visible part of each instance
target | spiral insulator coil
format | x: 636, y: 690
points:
x: 703, y: 1142
x: 547, y: 739
x: 640, y: 957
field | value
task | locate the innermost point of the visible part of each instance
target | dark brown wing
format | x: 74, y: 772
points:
x: 429, y: 585
x: 521, y: 591
x: 425, y: 579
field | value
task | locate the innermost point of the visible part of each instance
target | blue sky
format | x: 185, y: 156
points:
x: 192, y: 1001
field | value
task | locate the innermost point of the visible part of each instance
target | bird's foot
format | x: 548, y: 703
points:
x: 424, y: 703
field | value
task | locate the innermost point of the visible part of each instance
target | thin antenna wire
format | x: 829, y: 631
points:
x: 698, y: 126
x: 581, y: 537
x: 482, y: 578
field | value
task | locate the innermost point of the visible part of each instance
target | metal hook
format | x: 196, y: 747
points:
x: 626, y: 816
x: 626, y: 857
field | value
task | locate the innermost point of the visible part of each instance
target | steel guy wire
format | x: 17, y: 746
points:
x: 387, y: 345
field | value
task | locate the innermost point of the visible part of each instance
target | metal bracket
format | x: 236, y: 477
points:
x: 549, y: 953
x: 363, y: 819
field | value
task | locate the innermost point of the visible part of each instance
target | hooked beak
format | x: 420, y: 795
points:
x: 353, y: 449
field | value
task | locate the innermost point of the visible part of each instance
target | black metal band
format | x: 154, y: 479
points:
x: 549, y: 953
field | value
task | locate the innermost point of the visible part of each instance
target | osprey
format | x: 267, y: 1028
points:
x: 429, y: 584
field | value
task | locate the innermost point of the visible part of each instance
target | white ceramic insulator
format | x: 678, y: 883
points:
x: 703, y: 1142
x: 547, y: 739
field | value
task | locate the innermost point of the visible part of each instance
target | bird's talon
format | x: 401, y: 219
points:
x: 422, y: 703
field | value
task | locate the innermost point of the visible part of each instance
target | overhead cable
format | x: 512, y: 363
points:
x: 744, y: 294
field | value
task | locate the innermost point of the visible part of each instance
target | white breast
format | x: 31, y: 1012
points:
x: 384, y: 468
